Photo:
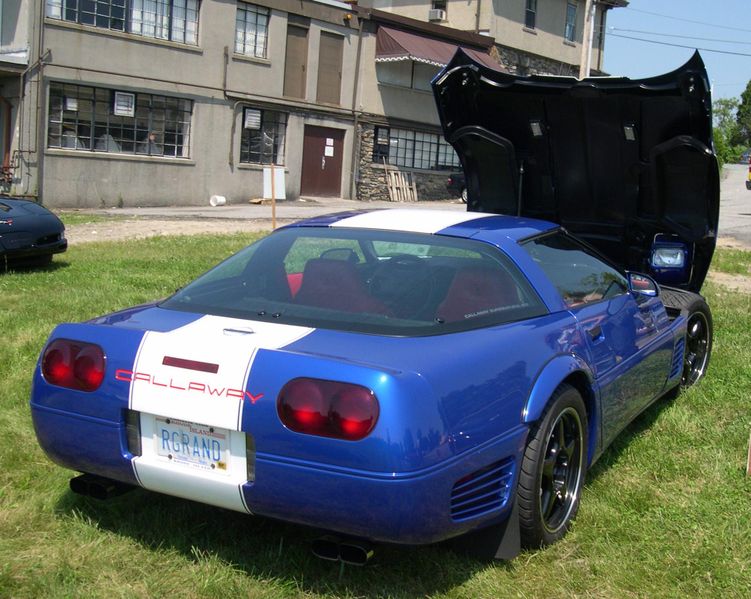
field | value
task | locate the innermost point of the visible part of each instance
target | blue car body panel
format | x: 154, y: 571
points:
x: 455, y: 409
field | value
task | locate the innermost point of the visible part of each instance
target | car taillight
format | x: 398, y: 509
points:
x: 327, y: 408
x: 73, y: 364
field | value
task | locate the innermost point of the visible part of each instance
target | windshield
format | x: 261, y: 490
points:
x: 372, y: 281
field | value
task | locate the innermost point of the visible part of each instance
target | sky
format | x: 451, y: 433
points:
x: 723, y: 26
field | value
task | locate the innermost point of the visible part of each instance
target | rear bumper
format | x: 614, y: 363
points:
x: 464, y: 493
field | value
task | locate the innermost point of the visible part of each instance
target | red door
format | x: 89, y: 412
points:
x: 322, y: 161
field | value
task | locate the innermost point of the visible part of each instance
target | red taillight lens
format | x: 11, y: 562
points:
x: 73, y: 364
x: 328, y: 408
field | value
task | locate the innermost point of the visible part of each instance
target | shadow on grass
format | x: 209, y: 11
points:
x: 644, y: 421
x: 20, y: 267
x: 267, y: 549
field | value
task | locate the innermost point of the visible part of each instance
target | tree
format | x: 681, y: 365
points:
x: 743, y: 116
x: 727, y: 139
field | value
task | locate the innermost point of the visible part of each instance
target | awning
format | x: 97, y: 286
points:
x: 394, y: 45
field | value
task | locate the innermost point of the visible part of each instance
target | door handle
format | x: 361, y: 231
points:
x: 323, y: 163
x: 595, y: 333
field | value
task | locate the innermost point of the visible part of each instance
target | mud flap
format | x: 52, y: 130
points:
x: 497, y: 542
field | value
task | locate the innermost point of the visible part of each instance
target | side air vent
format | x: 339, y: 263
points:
x: 677, y: 366
x: 482, y: 491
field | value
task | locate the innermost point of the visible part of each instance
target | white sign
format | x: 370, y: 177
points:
x: 125, y: 104
x: 252, y: 119
x: 329, y: 141
x: 279, y: 192
x: 328, y: 151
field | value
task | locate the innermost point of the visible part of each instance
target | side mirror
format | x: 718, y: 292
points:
x: 642, y: 285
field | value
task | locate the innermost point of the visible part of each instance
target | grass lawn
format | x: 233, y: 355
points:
x: 665, y: 513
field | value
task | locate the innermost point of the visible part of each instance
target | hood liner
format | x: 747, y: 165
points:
x: 614, y: 160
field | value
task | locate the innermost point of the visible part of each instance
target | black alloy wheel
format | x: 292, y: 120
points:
x: 698, y: 344
x: 553, y: 470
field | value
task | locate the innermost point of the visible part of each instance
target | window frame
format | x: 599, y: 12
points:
x: 418, y: 144
x: 161, y: 125
x: 258, y: 11
x: 569, y: 24
x: 530, y: 14
x: 585, y: 248
x: 177, y: 11
x: 278, y: 148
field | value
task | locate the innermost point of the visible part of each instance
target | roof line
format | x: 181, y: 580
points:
x: 468, y: 38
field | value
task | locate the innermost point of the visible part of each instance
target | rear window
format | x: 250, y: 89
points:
x: 372, y: 281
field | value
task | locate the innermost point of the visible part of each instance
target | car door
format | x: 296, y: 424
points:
x: 621, y: 332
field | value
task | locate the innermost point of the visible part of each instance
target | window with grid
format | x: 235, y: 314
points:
x: 263, y: 136
x: 251, y: 30
x: 413, y: 149
x: 174, y: 20
x: 530, y: 14
x: 97, y: 119
x: 569, y: 32
x: 447, y: 157
x: 107, y: 14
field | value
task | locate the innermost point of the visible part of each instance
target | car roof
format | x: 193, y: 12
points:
x: 453, y: 223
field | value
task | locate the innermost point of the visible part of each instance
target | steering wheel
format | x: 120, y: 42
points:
x: 403, y: 283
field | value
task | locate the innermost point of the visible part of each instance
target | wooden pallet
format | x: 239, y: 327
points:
x: 400, y: 184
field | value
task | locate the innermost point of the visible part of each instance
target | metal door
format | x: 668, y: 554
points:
x: 322, y: 161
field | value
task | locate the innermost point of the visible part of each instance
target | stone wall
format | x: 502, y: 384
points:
x: 523, y: 63
x: 371, y: 180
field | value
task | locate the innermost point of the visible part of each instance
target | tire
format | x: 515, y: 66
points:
x: 698, y: 347
x: 552, y: 472
x: 699, y: 332
x: 463, y: 195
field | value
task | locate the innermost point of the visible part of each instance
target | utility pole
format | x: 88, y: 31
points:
x: 585, y: 62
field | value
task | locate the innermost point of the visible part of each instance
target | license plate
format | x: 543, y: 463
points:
x: 195, y: 445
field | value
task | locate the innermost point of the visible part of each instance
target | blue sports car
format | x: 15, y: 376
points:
x: 403, y: 376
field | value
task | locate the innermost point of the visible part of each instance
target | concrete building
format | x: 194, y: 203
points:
x: 164, y: 102
x: 531, y: 36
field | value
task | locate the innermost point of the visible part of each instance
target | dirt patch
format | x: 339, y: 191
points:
x: 740, y: 283
x: 120, y: 230
x: 732, y: 243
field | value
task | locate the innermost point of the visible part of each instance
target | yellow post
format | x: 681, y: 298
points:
x: 273, y: 198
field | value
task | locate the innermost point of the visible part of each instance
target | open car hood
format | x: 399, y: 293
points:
x: 620, y: 163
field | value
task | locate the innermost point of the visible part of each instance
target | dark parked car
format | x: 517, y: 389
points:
x: 29, y: 233
x: 456, y: 185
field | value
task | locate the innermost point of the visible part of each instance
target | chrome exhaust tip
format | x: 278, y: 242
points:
x: 355, y: 552
x: 97, y: 487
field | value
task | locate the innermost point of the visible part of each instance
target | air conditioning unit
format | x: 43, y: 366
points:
x: 436, y: 14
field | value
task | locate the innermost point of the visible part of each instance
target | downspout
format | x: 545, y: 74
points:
x: 7, y: 136
x: 477, y: 16
x: 601, y: 52
x: 354, y: 165
x: 40, y: 94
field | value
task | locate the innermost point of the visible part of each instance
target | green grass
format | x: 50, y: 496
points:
x: 70, y: 218
x: 731, y: 261
x: 665, y: 513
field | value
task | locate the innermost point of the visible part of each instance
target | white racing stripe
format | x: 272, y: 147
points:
x: 409, y: 219
x: 208, y: 398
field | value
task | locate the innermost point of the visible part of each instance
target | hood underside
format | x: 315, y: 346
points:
x: 618, y: 162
